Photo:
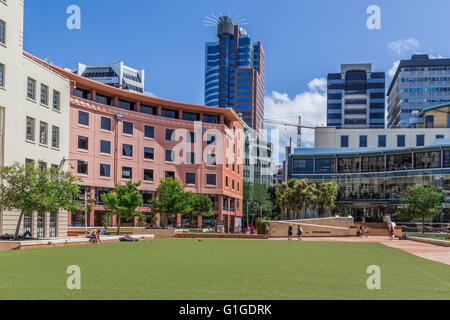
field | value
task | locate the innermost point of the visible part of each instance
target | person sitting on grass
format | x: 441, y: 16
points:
x: 97, y: 237
x: 104, y: 232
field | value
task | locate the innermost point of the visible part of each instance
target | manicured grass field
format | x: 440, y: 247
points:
x: 221, y: 269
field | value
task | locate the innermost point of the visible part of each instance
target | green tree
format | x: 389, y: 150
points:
x: 28, y: 189
x: 199, y: 205
x: 123, y: 201
x: 172, y: 199
x: 421, y: 202
x: 326, y: 197
x: 281, y: 194
x: 257, y: 197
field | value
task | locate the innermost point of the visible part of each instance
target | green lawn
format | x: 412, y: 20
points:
x: 438, y: 238
x: 221, y: 269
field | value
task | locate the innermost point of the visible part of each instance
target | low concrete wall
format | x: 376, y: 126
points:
x: 9, y: 245
x: 221, y: 236
x: 326, y: 227
x: 158, y: 233
x: 442, y: 243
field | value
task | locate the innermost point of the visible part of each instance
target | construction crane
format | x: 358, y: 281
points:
x: 299, y: 127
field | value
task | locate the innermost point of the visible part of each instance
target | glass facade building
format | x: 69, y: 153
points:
x: 234, y: 73
x: 373, y: 182
x: 419, y: 83
x: 356, y: 97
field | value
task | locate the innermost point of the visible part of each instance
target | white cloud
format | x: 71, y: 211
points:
x: 311, y: 105
x: 402, y: 46
x: 150, y: 94
x: 438, y: 56
x: 393, y: 70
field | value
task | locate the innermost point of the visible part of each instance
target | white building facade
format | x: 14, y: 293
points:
x: 331, y: 137
x: 34, y: 116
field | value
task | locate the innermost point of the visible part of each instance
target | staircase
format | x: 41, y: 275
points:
x: 375, y: 228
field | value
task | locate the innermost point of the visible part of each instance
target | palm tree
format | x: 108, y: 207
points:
x: 327, y: 195
x: 281, y: 194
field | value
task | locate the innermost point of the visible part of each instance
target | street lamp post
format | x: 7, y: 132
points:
x: 85, y: 211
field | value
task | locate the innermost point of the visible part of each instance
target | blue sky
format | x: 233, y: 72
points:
x: 303, y: 41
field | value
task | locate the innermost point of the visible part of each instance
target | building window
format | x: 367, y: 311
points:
x: 105, y: 170
x: 105, y: 146
x: 190, y: 178
x: 31, y: 89
x: 429, y: 122
x: 382, y: 141
x: 148, y: 175
x: 30, y: 129
x: 211, y: 179
x: 363, y: 141
x: 439, y: 136
x: 303, y: 166
x: 170, y: 155
x: 170, y: 134
x: 2, y: 31
x: 420, y: 140
x: 83, y: 143
x: 191, y: 137
x: 190, y: 157
x: 127, y: 150
x: 148, y: 109
x: 56, y: 100
x: 127, y: 173
x: 43, y: 133
x: 55, y: 137
x: 105, y: 123
x: 173, y: 114
x: 127, y: 127
x: 211, y: 139
x: 400, y: 141
x: 83, y: 118
x: 226, y: 182
x: 211, y: 159
x: 149, y: 132
x: 149, y: 153
x: 44, y: 94
x: 82, y: 167
x: 2, y: 75
x: 169, y: 174
x: 344, y: 141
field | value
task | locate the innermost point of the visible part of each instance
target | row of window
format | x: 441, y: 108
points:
x: 148, y: 174
x: 44, y: 94
x: 401, y: 141
x: 380, y: 163
x: 128, y: 105
x: 43, y: 133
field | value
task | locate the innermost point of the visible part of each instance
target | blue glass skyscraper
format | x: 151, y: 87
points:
x: 234, y: 73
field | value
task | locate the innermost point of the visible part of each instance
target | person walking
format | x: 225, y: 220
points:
x: 267, y: 230
x: 391, y: 232
x: 299, y: 232
x: 290, y: 232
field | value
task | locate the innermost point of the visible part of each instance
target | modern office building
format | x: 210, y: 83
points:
x: 419, y: 83
x: 258, y: 160
x: 234, y: 73
x: 117, y: 135
x: 34, y: 117
x: 278, y: 174
x: 331, y: 137
x: 372, y: 182
x: 356, y: 97
x: 117, y: 75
